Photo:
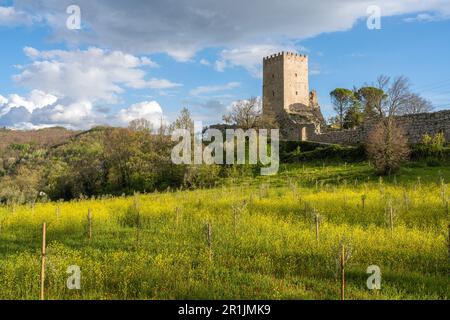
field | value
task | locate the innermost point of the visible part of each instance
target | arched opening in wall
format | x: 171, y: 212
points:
x: 304, y: 134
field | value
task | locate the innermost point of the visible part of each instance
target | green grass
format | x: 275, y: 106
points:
x: 263, y: 239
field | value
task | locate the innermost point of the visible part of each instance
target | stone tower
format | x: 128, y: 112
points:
x: 285, y: 84
x: 286, y: 96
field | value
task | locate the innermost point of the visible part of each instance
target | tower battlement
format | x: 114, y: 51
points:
x: 284, y: 55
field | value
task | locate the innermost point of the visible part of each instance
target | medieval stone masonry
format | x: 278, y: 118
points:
x: 286, y: 95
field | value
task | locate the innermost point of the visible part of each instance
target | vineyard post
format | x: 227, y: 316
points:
x: 234, y: 220
x: 89, y: 224
x: 177, y: 212
x: 316, y: 216
x: 209, y: 238
x: 44, y: 234
x: 391, y: 218
x: 363, y: 199
x: 305, y: 214
x: 138, y: 216
x: 138, y: 226
x: 342, y: 262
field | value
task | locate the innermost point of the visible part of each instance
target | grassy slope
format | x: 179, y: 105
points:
x: 267, y: 249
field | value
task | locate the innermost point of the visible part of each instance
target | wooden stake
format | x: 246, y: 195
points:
x: 234, y: 221
x: 305, y: 212
x: 343, y: 273
x: 138, y: 227
x: 209, y: 238
x: 44, y: 234
x: 177, y: 212
x: 89, y: 224
x: 317, y: 227
x: 391, y: 217
x: 448, y: 244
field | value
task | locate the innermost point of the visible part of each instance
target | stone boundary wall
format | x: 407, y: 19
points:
x: 415, y: 126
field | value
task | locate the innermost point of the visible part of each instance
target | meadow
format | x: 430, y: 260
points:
x: 261, y: 243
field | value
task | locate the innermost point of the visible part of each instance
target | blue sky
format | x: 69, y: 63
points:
x: 204, y: 56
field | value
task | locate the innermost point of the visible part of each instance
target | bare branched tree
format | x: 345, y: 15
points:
x: 248, y: 114
x: 399, y: 100
x: 415, y: 104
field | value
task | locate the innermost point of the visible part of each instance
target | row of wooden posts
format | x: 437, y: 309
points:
x: 317, y: 218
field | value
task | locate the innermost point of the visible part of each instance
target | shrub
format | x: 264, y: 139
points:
x: 387, y: 147
x: 433, y: 146
x: 198, y: 176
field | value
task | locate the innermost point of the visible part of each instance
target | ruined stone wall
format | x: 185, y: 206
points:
x: 415, y: 127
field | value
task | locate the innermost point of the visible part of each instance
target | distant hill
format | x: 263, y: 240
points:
x: 43, y: 137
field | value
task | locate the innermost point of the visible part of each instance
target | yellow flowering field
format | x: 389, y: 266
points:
x: 261, y: 238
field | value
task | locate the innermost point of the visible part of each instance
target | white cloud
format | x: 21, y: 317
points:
x: 73, y: 89
x: 3, y: 100
x: 40, y: 110
x: 220, y: 65
x: 78, y: 114
x: 30, y: 126
x: 211, y: 89
x: 149, y: 110
x: 35, y: 100
x: 161, y: 84
x: 427, y: 17
x: 93, y: 75
x: 9, y: 16
x: 205, y: 62
x: 250, y: 57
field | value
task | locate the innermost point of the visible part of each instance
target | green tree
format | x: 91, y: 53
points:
x: 371, y: 99
x: 342, y: 99
x: 353, y: 117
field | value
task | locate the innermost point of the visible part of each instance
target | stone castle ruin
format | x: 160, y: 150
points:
x: 286, y: 96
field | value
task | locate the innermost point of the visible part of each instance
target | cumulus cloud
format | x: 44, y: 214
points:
x: 40, y: 110
x: 3, y: 100
x: 74, y: 88
x: 35, y: 100
x: 87, y: 75
x: 149, y: 110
